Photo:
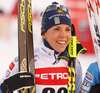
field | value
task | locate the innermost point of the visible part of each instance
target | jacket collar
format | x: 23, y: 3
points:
x: 49, y: 50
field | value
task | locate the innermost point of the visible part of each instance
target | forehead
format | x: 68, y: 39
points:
x: 62, y: 25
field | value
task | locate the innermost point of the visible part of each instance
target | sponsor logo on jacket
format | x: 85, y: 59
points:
x: 52, y: 76
x: 88, y: 77
x: 86, y: 85
x: 11, y: 65
x: 7, y: 73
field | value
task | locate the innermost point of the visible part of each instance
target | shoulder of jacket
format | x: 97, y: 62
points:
x: 93, y: 66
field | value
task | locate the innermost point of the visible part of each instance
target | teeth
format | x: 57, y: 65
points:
x: 61, y: 42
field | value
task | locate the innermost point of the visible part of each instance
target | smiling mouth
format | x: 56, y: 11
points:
x: 61, y: 42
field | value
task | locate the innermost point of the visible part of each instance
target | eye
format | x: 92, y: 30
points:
x: 68, y: 29
x: 57, y: 28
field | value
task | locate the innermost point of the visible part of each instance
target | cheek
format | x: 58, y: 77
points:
x: 69, y: 36
x: 49, y: 38
x: 53, y: 35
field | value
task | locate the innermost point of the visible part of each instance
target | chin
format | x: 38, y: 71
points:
x: 60, y: 51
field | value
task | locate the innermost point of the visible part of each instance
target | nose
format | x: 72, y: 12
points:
x: 63, y: 34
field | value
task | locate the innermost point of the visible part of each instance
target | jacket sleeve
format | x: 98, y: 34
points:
x: 92, y: 76
x: 78, y: 81
x: 13, y: 68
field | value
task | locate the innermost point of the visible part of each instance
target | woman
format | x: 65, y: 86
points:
x: 51, y: 58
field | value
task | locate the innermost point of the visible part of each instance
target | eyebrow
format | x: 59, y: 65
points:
x: 60, y: 27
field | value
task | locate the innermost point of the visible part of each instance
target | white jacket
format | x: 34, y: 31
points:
x: 51, y: 71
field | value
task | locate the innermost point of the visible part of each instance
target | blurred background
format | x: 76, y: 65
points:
x: 9, y: 29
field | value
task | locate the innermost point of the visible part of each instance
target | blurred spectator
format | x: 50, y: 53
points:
x: 15, y: 10
x: 1, y: 11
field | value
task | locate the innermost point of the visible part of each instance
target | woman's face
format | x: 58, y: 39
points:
x: 58, y: 37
